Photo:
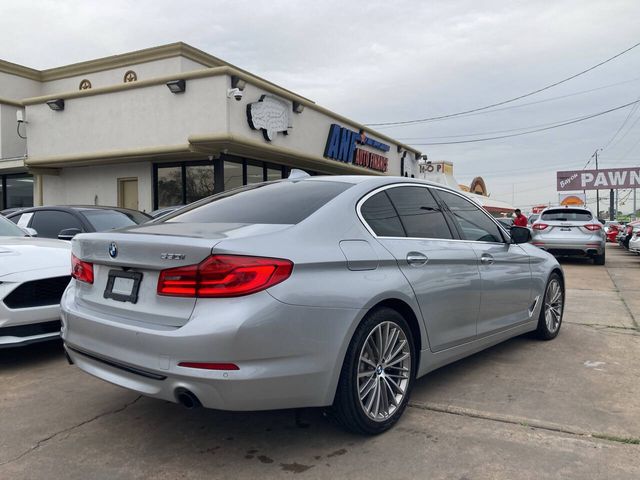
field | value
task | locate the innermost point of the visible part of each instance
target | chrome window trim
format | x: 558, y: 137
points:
x: 422, y: 185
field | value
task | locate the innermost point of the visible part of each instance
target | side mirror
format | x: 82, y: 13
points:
x: 31, y: 232
x: 520, y: 234
x: 68, y: 233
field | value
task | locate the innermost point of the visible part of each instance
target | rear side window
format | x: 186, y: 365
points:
x: 383, y: 219
x: 282, y: 202
x: 472, y: 222
x: 419, y: 213
x: 566, y: 215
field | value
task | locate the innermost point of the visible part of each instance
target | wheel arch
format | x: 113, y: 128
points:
x: 409, y: 315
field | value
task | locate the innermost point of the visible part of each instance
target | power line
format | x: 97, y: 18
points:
x: 581, y: 119
x: 629, y: 115
x: 555, y: 84
x: 546, y: 100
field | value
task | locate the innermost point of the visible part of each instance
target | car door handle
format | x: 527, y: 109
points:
x: 416, y: 259
x: 486, y: 259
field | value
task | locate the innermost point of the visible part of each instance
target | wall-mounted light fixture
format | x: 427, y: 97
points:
x: 237, y: 82
x: 57, y: 104
x: 177, y: 86
x: 298, y: 107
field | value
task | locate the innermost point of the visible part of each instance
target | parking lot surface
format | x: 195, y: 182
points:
x: 524, y: 409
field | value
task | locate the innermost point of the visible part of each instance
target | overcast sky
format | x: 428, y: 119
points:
x: 379, y: 61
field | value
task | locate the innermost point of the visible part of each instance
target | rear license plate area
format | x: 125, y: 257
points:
x: 123, y: 286
x: 565, y: 229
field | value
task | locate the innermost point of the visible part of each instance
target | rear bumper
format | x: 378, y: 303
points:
x: 288, y: 356
x: 569, y: 248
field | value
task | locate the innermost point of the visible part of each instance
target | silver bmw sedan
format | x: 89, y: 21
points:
x: 332, y: 292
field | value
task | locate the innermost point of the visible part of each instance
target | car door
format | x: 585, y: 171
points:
x: 443, y: 272
x: 504, y: 268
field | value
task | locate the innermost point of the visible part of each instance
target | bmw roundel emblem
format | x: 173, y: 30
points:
x: 113, y: 250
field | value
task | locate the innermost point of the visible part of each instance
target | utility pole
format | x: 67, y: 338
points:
x: 634, y: 204
x: 597, y: 191
x: 611, y: 205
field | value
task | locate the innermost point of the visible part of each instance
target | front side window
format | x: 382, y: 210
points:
x: 419, y: 212
x: 472, y: 222
x: 49, y: 223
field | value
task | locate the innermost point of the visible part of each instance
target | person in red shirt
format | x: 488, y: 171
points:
x: 520, y: 220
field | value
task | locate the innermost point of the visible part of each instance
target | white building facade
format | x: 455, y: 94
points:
x: 167, y: 126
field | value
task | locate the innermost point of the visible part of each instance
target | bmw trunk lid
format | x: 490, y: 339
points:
x: 127, y: 265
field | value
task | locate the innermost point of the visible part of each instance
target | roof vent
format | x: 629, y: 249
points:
x: 297, y: 174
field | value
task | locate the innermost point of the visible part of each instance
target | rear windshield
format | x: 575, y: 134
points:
x: 566, y: 215
x: 103, y: 220
x: 281, y: 202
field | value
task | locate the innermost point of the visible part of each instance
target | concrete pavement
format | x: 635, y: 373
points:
x: 569, y: 408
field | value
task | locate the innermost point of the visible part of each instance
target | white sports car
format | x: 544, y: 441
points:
x: 33, y: 275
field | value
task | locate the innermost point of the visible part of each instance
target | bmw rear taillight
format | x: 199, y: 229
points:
x: 594, y: 227
x: 82, y: 271
x: 539, y: 226
x: 224, y: 276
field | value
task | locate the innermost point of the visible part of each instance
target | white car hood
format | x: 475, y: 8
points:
x: 24, y: 254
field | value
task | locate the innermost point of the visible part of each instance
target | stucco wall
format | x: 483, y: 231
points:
x: 115, y: 76
x: 11, y: 145
x: 16, y: 88
x: 308, y: 133
x: 131, y: 119
x: 81, y: 185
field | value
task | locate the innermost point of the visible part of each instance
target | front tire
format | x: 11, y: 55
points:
x: 550, y: 319
x: 377, y: 374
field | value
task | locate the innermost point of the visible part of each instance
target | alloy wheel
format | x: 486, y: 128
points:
x: 553, y: 305
x: 384, y: 370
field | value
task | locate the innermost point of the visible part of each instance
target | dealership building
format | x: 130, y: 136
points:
x: 167, y: 126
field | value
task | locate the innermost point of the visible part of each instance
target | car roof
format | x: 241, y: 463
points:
x: 74, y: 208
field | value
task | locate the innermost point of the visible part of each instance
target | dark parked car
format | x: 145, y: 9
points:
x: 64, y: 222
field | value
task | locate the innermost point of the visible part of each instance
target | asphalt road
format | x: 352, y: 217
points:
x: 524, y: 409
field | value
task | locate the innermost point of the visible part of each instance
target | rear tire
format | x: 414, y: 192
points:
x: 599, y: 259
x: 550, y: 319
x: 374, y: 386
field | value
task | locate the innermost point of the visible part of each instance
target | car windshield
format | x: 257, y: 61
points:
x: 9, y: 229
x: 103, y: 220
x: 280, y: 202
x: 566, y: 215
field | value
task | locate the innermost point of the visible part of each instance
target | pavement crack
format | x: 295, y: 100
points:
x: 521, y: 421
x: 43, y: 441
x: 626, y: 306
x: 632, y: 330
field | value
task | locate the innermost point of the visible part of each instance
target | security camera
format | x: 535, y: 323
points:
x: 235, y: 93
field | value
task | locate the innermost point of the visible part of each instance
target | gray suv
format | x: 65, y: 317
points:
x: 570, y: 231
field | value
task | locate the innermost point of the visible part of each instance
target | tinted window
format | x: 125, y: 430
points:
x: 103, y: 220
x: 8, y: 229
x: 473, y: 223
x: 281, y: 202
x: 381, y: 216
x: 49, y: 223
x: 566, y: 215
x: 419, y: 213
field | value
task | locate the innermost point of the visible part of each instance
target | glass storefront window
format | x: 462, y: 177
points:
x: 232, y: 175
x: 274, y: 174
x: 199, y: 182
x: 169, y: 186
x: 18, y: 191
x: 254, y: 174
